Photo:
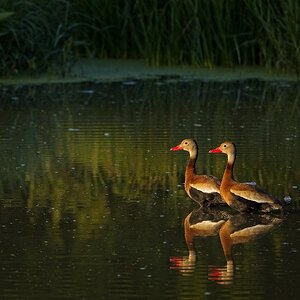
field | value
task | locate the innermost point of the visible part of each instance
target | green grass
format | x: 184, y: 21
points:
x: 39, y: 36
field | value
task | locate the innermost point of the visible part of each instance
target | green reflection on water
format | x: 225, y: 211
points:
x: 91, y: 165
x: 115, y: 138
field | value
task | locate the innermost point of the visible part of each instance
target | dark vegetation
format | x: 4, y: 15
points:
x: 39, y: 35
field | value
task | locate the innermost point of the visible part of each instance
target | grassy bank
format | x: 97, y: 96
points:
x: 38, y: 35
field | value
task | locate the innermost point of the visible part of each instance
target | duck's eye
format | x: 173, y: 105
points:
x: 185, y: 143
x: 225, y: 146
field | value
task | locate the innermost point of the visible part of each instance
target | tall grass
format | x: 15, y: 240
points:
x: 39, y: 35
x: 278, y: 34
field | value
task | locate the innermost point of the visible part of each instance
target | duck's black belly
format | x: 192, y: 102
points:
x: 205, y: 199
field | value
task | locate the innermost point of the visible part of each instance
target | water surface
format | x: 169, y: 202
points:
x: 92, y: 203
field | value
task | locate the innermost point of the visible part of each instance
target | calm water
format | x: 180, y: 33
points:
x: 92, y: 204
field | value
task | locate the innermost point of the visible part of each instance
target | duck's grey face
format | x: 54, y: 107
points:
x: 186, y: 144
x: 226, y: 147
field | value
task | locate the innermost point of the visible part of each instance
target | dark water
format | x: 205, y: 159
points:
x: 92, y: 204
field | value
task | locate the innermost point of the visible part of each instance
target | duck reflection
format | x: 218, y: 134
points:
x: 199, y: 223
x: 238, y: 230
x: 232, y: 229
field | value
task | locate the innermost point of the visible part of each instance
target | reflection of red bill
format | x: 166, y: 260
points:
x: 176, y: 262
x: 215, y: 274
x: 184, y: 264
x: 222, y: 275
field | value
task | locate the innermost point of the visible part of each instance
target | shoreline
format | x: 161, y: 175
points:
x: 98, y: 70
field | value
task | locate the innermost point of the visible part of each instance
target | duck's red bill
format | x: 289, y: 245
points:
x: 176, y: 148
x: 216, y: 150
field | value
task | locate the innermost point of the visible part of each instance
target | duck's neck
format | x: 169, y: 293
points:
x: 228, y: 173
x: 226, y: 240
x: 190, y: 169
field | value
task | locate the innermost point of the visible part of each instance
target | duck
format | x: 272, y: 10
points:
x: 203, y: 189
x: 243, y: 197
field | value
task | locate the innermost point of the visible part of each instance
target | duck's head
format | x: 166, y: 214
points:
x: 189, y: 145
x: 228, y: 148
